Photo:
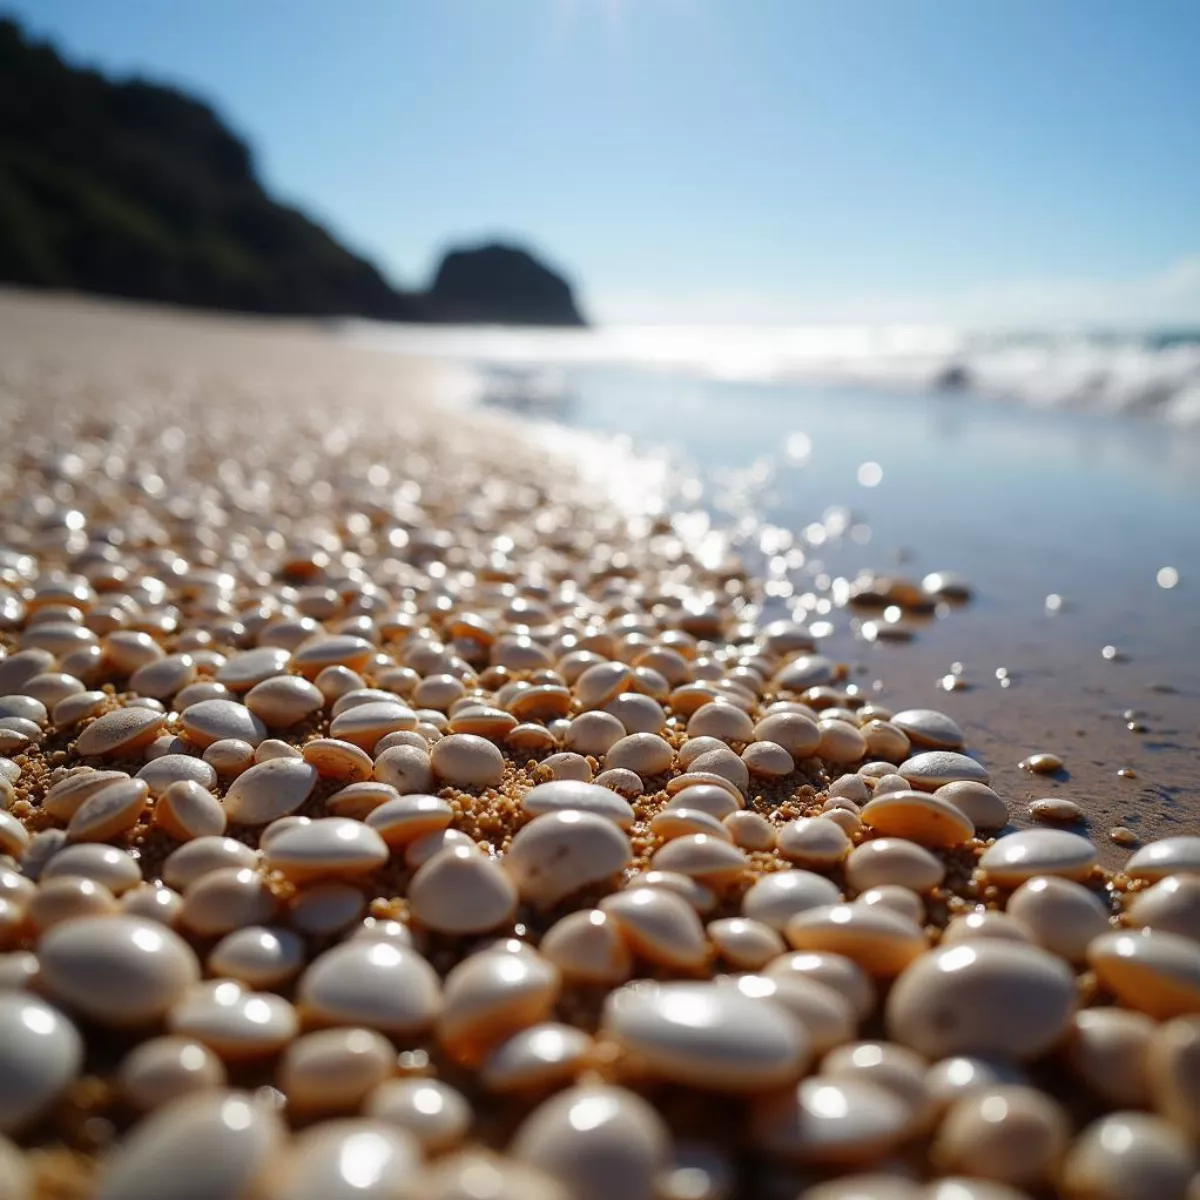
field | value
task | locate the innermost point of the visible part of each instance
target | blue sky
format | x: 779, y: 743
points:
x: 742, y: 160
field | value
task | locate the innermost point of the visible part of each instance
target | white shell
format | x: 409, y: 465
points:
x: 41, y: 1053
x: 562, y: 794
x: 460, y: 891
x: 164, y: 1068
x: 706, y: 1034
x: 598, y: 1141
x: 437, y: 1115
x: 659, y: 926
x: 559, y: 853
x: 269, y: 790
x: 989, y: 997
x: 1012, y: 859
x: 208, y: 1144
x: 775, y: 898
x: 376, y: 984
x: 117, y: 970
x: 335, y: 1069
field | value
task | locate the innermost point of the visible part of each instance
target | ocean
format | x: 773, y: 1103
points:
x: 1153, y: 373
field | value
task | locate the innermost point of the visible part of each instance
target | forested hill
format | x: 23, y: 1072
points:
x: 128, y: 188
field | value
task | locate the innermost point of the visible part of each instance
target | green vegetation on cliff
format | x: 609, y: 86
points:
x: 128, y: 188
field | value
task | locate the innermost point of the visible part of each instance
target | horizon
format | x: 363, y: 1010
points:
x: 683, y: 164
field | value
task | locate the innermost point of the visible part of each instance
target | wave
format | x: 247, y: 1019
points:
x: 1148, y: 373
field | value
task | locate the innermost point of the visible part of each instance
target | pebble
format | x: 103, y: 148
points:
x: 435, y: 1114
x: 65, y: 899
x: 927, y: 727
x: 226, y: 899
x: 588, y: 947
x: 559, y: 853
x: 331, y: 847
x: 14, y: 837
x: 348, y: 1159
x: 1015, y: 1135
x: 813, y: 842
x: 464, y: 760
x: 935, y: 768
x: 209, y: 1144
x: 564, y: 794
x: 186, y: 810
x: 63, y: 799
x: 902, y: 901
x: 160, y: 774
x: 1041, y: 763
x: 596, y: 1140
x: 840, y: 742
x: 889, y: 861
x: 407, y: 818
x: 707, y: 1035
x: 680, y: 821
x: 745, y: 944
x: 282, y: 701
x: 458, y: 891
x: 365, y: 724
x: 1152, y: 971
x: 988, y: 997
x: 1128, y: 1156
x: 164, y: 1068
x: 325, y: 909
x: 919, y: 817
x: 1172, y: 1066
x: 951, y: 1078
x: 718, y: 802
x: 983, y: 807
x: 1056, y: 808
x: 229, y: 757
x: 117, y: 970
x: 1061, y: 916
x: 108, y: 811
x: 376, y: 984
x: 258, y: 956
x: 879, y: 941
x: 1107, y: 1053
x: 796, y: 733
x: 334, y: 1070
x: 775, y: 898
x: 659, y: 926
x: 823, y: 1013
x: 219, y: 720
x: 198, y: 857
x: 41, y: 1053
x: 833, y: 971
x: 492, y: 995
x: 269, y: 791
x: 1171, y: 905
x: 1016, y: 857
x: 750, y: 830
x: 545, y: 1055
x: 334, y: 759
x: 834, y: 1122
x: 1169, y: 856
x: 119, y: 732
x: 885, y: 741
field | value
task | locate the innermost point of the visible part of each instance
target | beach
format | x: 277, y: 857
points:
x: 498, y: 698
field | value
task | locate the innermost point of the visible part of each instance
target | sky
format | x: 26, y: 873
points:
x: 725, y: 161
